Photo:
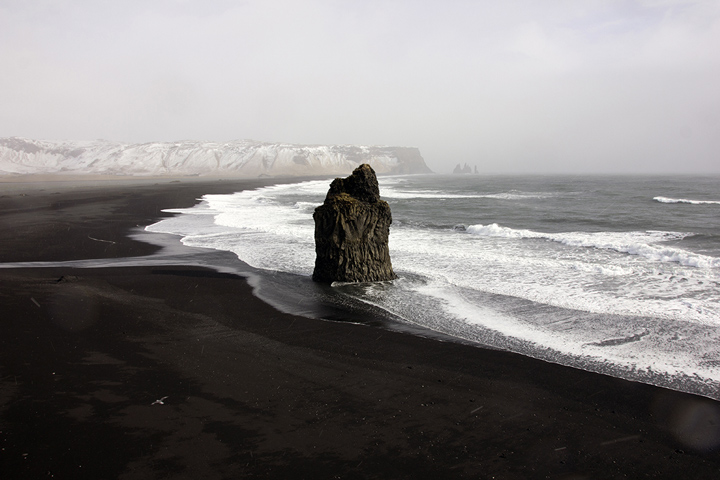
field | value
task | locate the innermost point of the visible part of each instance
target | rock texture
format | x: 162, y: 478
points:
x: 244, y: 158
x: 351, y: 231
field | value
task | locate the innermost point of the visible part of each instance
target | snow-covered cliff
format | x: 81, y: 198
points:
x: 244, y: 158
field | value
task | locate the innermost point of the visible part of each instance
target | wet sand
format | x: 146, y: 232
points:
x: 180, y: 372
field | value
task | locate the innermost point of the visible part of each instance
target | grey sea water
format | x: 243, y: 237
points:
x: 619, y: 275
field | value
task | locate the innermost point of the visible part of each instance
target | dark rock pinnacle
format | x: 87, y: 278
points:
x: 351, y: 231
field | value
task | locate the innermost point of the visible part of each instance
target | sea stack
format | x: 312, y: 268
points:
x: 351, y: 231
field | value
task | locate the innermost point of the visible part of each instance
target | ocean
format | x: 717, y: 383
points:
x: 618, y: 275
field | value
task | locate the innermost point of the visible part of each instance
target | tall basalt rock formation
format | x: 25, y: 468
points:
x: 351, y: 231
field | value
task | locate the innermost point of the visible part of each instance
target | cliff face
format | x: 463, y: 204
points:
x: 239, y: 158
x: 351, y: 231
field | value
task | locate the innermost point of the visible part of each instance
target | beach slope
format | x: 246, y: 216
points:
x: 180, y: 372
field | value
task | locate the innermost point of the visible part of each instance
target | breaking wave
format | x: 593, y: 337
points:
x: 644, y: 244
x: 684, y: 200
x: 391, y: 193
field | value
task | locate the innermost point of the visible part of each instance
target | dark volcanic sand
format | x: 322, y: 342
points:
x: 249, y: 392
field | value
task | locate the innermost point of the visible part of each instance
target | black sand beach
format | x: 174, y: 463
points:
x: 180, y: 372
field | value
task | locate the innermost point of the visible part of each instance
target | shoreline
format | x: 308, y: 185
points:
x: 255, y: 392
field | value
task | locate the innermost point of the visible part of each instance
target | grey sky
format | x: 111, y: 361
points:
x: 513, y: 86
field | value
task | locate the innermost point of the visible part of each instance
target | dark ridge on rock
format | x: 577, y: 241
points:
x: 352, y: 228
x: 361, y: 185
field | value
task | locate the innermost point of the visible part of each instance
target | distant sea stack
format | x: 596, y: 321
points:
x: 351, y: 231
x: 243, y: 158
x: 465, y: 169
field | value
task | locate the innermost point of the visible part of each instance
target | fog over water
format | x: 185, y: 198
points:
x: 518, y: 86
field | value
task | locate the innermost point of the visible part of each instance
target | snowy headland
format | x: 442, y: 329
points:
x: 242, y: 158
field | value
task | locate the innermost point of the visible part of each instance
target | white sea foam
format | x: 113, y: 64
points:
x: 642, y: 347
x: 683, y: 200
x: 596, y: 281
x: 634, y: 243
x: 269, y: 234
x: 587, y: 296
x: 514, y: 195
x: 405, y: 194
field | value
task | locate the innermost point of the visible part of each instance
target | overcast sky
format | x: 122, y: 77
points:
x: 513, y: 86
